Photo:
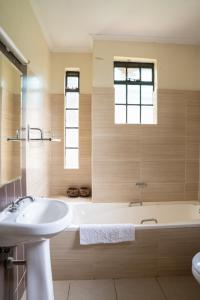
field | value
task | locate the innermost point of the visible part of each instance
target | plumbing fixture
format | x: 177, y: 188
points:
x: 15, y: 204
x: 132, y: 203
x: 141, y: 184
x: 10, y: 262
x: 149, y: 220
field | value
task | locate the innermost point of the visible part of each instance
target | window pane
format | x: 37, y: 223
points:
x: 72, y: 82
x: 146, y: 74
x: 147, y: 114
x: 133, y: 94
x: 72, y: 118
x: 133, y: 114
x: 147, y: 94
x: 72, y: 158
x: 119, y: 73
x: 72, y: 100
x: 120, y: 93
x: 71, y: 137
x: 120, y: 114
x: 133, y: 74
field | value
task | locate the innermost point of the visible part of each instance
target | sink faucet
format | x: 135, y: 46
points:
x: 15, y: 204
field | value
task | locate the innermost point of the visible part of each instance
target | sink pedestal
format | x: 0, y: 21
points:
x: 39, y: 275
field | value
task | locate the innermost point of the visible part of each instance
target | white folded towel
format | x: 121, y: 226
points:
x: 106, y: 233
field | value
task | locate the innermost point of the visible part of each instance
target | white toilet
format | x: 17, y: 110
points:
x: 196, y: 267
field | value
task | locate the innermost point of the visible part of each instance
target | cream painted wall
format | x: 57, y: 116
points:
x: 18, y: 20
x: 177, y: 65
x: 61, y: 61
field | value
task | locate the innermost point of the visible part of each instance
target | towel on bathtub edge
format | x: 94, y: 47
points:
x: 106, y: 233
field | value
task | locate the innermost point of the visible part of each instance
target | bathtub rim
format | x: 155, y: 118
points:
x: 75, y: 227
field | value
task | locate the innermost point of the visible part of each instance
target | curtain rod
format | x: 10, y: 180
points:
x: 11, y: 47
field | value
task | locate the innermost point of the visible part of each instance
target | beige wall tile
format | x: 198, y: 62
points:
x: 163, y: 171
x: 115, y: 192
x: 192, y: 171
x: 116, y: 172
x: 162, y: 148
x: 154, y: 252
x: 167, y: 152
x: 125, y: 148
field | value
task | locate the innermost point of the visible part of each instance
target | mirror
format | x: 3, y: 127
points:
x: 10, y: 121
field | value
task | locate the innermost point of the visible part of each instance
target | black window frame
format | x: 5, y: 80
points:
x: 127, y: 82
x: 71, y: 90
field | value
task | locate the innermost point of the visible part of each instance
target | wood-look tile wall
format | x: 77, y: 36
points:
x: 60, y: 178
x: 165, y: 155
x: 155, y: 252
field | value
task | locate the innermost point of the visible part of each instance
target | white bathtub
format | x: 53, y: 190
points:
x: 162, y: 249
x: 159, y: 214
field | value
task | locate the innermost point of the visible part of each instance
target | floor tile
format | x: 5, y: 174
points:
x: 61, y: 289
x: 138, y: 289
x: 180, y: 287
x: 92, y: 290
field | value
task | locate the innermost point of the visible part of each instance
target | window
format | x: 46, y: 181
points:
x: 72, y: 79
x: 134, y: 93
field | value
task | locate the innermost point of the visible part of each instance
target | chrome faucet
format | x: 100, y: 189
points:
x: 23, y: 198
x: 132, y: 203
x: 15, y: 204
x: 141, y: 184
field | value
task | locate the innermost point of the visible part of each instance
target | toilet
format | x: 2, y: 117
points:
x: 196, y: 267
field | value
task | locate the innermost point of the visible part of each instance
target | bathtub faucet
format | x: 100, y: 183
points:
x: 141, y: 184
x: 132, y: 203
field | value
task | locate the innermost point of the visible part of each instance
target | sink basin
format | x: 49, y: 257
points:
x: 33, y: 221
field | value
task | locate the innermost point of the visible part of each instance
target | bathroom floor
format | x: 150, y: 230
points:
x: 161, y: 288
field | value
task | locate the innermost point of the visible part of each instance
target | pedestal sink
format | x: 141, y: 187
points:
x: 33, y: 223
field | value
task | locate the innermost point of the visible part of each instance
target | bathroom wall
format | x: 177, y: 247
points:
x: 178, y: 66
x: 60, y: 178
x: 10, y: 111
x: 166, y: 155
x: 18, y: 20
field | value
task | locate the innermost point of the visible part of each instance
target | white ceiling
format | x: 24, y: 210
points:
x: 70, y: 25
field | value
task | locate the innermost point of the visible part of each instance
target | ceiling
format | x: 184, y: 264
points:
x: 70, y: 25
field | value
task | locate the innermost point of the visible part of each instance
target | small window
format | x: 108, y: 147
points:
x: 134, y: 93
x: 72, y: 79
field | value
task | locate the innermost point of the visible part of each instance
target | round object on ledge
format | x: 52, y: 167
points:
x: 73, y: 192
x: 85, y: 191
